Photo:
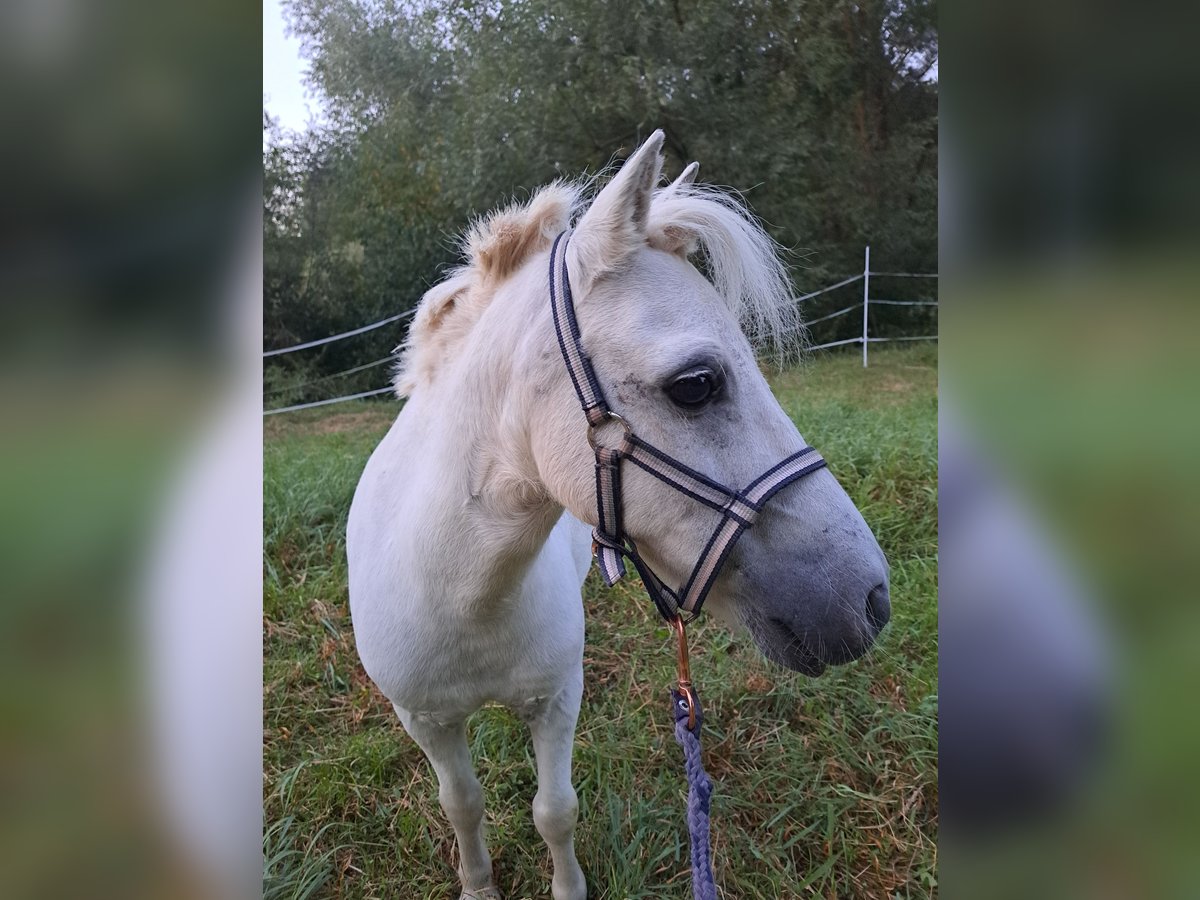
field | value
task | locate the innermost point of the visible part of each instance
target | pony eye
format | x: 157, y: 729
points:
x: 694, y: 388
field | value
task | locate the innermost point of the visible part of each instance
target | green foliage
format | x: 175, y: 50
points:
x: 824, y: 788
x: 820, y: 111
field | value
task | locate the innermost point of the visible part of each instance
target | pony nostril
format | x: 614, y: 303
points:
x: 879, y: 607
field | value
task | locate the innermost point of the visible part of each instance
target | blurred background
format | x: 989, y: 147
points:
x: 1068, y: 496
x: 130, y: 620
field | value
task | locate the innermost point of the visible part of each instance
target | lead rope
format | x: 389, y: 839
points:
x: 699, y: 797
x: 688, y: 717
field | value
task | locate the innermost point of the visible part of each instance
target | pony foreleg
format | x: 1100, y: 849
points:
x: 461, y: 797
x: 555, y: 806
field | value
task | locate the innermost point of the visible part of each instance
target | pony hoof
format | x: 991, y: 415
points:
x: 484, y: 893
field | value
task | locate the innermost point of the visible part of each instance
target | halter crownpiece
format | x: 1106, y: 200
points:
x: 611, y: 545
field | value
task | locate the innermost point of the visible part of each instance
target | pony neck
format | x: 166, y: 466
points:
x: 491, y: 513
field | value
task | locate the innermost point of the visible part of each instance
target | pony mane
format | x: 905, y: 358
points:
x: 495, y: 246
x: 739, y: 258
x: 742, y: 261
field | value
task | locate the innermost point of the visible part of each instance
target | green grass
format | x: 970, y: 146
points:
x: 824, y: 788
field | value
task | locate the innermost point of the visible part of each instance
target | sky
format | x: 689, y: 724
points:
x: 284, y: 95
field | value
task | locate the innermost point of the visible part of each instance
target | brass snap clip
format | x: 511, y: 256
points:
x: 685, y: 675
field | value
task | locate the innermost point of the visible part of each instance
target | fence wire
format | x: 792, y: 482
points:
x: 337, y: 337
x: 833, y: 315
x: 406, y: 314
x: 350, y: 371
x: 905, y: 302
x: 285, y: 409
x: 832, y: 287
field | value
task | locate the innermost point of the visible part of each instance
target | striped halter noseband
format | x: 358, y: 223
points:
x: 610, y: 544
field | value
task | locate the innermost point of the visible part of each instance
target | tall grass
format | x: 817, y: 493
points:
x: 824, y: 788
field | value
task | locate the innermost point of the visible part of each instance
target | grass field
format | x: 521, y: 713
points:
x: 823, y: 788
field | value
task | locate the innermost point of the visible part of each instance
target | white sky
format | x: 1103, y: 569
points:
x: 284, y: 94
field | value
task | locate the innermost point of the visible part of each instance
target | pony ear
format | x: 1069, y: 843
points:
x: 686, y: 177
x: 677, y: 239
x: 615, y: 224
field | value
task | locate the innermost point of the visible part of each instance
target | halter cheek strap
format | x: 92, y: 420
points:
x: 611, y: 544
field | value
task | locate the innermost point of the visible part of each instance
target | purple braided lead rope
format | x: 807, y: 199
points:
x: 699, y: 795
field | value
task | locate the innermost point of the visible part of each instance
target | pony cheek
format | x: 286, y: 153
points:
x: 668, y: 527
x: 564, y: 465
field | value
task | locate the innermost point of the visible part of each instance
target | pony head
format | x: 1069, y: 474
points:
x: 673, y: 348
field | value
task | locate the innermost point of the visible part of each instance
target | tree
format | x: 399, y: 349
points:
x: 821, y: 111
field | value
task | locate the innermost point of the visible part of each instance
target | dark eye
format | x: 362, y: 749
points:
x: 694, y: 388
